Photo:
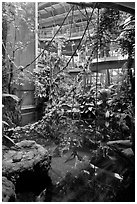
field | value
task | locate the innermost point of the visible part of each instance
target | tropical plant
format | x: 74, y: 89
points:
x: 15, y: 16
x: 107, y: 31
x: 12, y: 110
x: 11, y: 117
x: 127, y: 36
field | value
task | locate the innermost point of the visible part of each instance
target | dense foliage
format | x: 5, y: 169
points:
x: 127, y: 37
x: 73, y: 117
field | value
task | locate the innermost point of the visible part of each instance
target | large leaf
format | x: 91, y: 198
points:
x: 14, y: 97
x: 5, y: 123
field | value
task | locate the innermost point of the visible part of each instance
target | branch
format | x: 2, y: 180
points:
x: 22, y: 46
x: 9, y: 58
x: 78, y: 44
x: 48, y: 44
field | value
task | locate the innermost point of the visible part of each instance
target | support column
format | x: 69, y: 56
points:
x: 36, y: 34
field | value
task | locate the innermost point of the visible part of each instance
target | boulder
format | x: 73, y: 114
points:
x: 26, y: 166
x: 8, y: 190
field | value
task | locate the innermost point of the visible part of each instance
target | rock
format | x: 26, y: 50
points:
x: 27, y: 166
x: 8, y: 190
x: 26, y: 143
x: 25, y: 157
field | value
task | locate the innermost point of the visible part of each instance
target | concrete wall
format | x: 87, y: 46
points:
x: 24, y: 87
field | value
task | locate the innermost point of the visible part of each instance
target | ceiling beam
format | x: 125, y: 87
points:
x: 120, y: 6
x: 126, y: 4
x: 128, y: 7
x: 45, y: 4
x: 58, y: 9
x: 58, y: 18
